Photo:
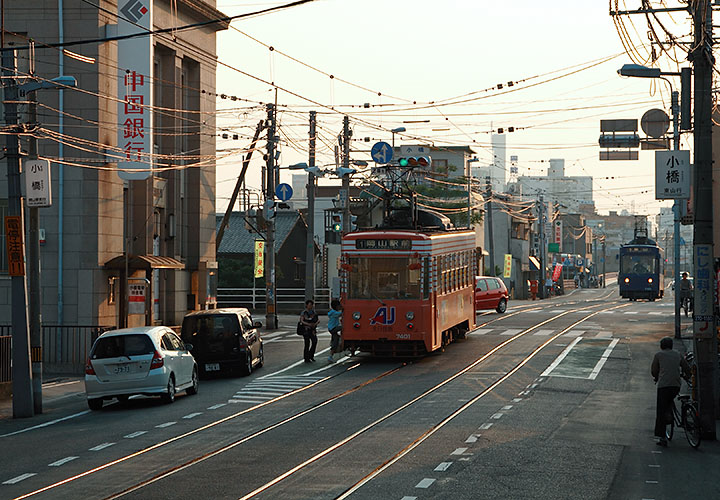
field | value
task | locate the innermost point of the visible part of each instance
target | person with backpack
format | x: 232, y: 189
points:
x: 334, y: 327
x: 309, y: 321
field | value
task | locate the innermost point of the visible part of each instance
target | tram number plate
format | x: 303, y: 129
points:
x: 405, y: 336
x: 212, y: 367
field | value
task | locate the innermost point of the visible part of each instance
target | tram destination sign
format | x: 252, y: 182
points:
x: 385, y: 244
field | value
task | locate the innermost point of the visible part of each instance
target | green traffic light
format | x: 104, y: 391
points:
x: 403, y: 162
x: 337, y: 227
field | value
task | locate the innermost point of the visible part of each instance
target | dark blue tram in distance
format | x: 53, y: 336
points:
x: 641, y: 270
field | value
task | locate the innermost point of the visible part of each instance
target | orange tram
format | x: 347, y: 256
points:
x: 407, y: 293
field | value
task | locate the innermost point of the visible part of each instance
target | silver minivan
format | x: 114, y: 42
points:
x: 148, y: 360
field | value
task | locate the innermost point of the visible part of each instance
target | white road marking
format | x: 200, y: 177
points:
x: 517, y: 400
x: 651, y: 482
x: 260, y: 392
x: 562, y: 355
x: 459, y: 451
x: 653, y: 465
x: 39, y: 426
x: 630, y: 312
x: 408, y: 498
x: 656, y: 313
x: 193, y: 415
x: 497, y: 415
x: 252, y: 401
x: 557, y: 311
x: 425, y: 483
x: 506, y: 407
x: 603, y: 335
x: 215, y: 407
x: 19, y: 478
x: 62, y: 461
x: 603, y: 359
x: 573, y: 333
x: 101, y: 446
x: 656, y: 451
x: 511, y: 331
x: 471, y: 439
x: 166, y: 424
x: 135, y: 434
x: 543, y: 333
x: 482, y: 331
x: 443, y: 466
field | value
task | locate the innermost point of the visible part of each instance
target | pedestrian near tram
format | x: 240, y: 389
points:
x: 309, y: 319
x: 334, y: 327
x: 667, y: 367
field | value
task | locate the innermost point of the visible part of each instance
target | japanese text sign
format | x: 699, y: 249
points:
x: 259, y: 258
x: 508, y: 266
x: 703, y: 314
x: 672, y: 175
x: 135, y: 57
x: 38, y: 191
x: 14, y: 245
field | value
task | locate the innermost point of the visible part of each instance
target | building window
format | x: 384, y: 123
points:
x: 3, y: 247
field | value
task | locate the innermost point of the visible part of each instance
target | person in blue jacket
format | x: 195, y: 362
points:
x: 334, y: 327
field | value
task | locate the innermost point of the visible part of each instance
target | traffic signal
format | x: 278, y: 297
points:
x: 343, y: 171
x: 353, y: 222
x: 415, y: 161
x: 337, y: 223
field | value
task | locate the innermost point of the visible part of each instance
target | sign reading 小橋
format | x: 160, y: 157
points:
x: 135, y: 56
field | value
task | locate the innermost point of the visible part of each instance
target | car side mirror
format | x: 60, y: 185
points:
x: 188, y: 346
x: 257, y: 324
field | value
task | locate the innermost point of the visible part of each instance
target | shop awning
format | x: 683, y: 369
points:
x: 146, y: 262
x: 534, y: 264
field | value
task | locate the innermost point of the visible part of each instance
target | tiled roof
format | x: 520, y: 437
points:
x: 237, y: 239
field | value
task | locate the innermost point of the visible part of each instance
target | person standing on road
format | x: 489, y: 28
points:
x: 667, y: 367
x: 309, y: 319
x: 334, y: 327
x: 686, y: 289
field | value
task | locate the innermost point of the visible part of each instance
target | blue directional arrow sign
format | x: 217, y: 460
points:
x: 283, y: 191
x: 381, y: 152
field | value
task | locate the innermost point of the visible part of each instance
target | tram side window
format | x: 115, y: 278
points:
x: 384, y: 278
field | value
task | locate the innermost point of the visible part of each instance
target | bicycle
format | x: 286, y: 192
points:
x: 686, y: 418
x: 686, y: 304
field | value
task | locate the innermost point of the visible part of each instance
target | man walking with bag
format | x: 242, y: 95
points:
x: 309, y: 319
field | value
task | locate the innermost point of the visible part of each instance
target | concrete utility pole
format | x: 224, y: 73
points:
x: 271, y: 322
x: 704, y: 335
x: 310, y: 244
x: 675, y: 108
x: 346, y: 177
x: 15, y: 232
x: 604, y: 258
x: 491, y: 242
x: 541, y: 233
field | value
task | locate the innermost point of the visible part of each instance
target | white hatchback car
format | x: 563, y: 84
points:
x: 148, y: 360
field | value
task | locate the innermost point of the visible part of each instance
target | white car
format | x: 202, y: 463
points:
x: 148, y: 360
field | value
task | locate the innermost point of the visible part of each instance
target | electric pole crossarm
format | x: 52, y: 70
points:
x: 648, y: 11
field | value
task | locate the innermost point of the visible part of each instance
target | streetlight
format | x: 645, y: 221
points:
x: 396, y: 131
x: 638, y: 71
x: 469, y: 186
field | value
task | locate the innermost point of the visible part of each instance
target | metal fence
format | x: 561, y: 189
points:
x: 65, y: 348
x: 289, y: 300
x: 5, y: 366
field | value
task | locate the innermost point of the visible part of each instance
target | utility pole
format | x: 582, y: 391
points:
x: 269, y: 214
x: 604, y: 258
x: 15, y: 231
x: 704, y: 335
x: 675, y: 108
x: 541, y: 233
x: 346, y: 177
x: 35, y: 305
x: 491, y: 241
x: 310, y: 243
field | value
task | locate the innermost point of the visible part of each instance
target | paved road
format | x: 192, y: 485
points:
x: 555, y: 401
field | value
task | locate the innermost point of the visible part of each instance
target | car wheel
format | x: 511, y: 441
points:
x: 261, y: 358
x: 502, y: 306
x: 247, y: 368
x: 193, y: 389
x: 169, y: 396
x: 95, y: 404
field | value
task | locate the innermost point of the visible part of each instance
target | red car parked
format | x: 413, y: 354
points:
x: 490, y: 293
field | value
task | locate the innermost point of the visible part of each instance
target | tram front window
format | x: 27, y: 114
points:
x: 384, y: 278
x: 638, y: 264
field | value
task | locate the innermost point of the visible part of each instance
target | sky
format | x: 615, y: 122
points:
x: 442, y: 62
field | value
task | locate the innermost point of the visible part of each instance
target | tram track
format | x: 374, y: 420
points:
x: 197, y: 459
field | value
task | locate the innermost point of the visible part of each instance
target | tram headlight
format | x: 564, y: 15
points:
x: 356, y: 315
x: 627, y: 280
x: 410, y: 326
x: 649, y: 280
x: 409, y: 315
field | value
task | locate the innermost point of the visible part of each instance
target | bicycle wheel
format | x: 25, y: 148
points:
x: 691, y: 423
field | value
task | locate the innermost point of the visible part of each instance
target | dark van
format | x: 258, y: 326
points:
x: 224, y: 340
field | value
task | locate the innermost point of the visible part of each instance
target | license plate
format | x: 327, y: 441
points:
x: 212, y: 367
x: 118, y: 369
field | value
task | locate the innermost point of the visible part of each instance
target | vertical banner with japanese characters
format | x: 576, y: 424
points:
x: 703, y: 303
x: 507, y: 271
x: 259, y: 256
x: 14, y: 245
x: 557, y: 235
x: 135, y: 56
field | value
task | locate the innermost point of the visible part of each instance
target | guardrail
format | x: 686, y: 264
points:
x: 288, y: 299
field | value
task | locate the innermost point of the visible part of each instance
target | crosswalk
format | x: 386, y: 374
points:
x: 588, y: 311
x: 507, y: 332
x: 261, y: 390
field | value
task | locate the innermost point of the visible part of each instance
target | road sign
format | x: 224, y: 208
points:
x: 284, y: 192
x: 672, y: 175
x: 381, y: 153
x: 37, y: 183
